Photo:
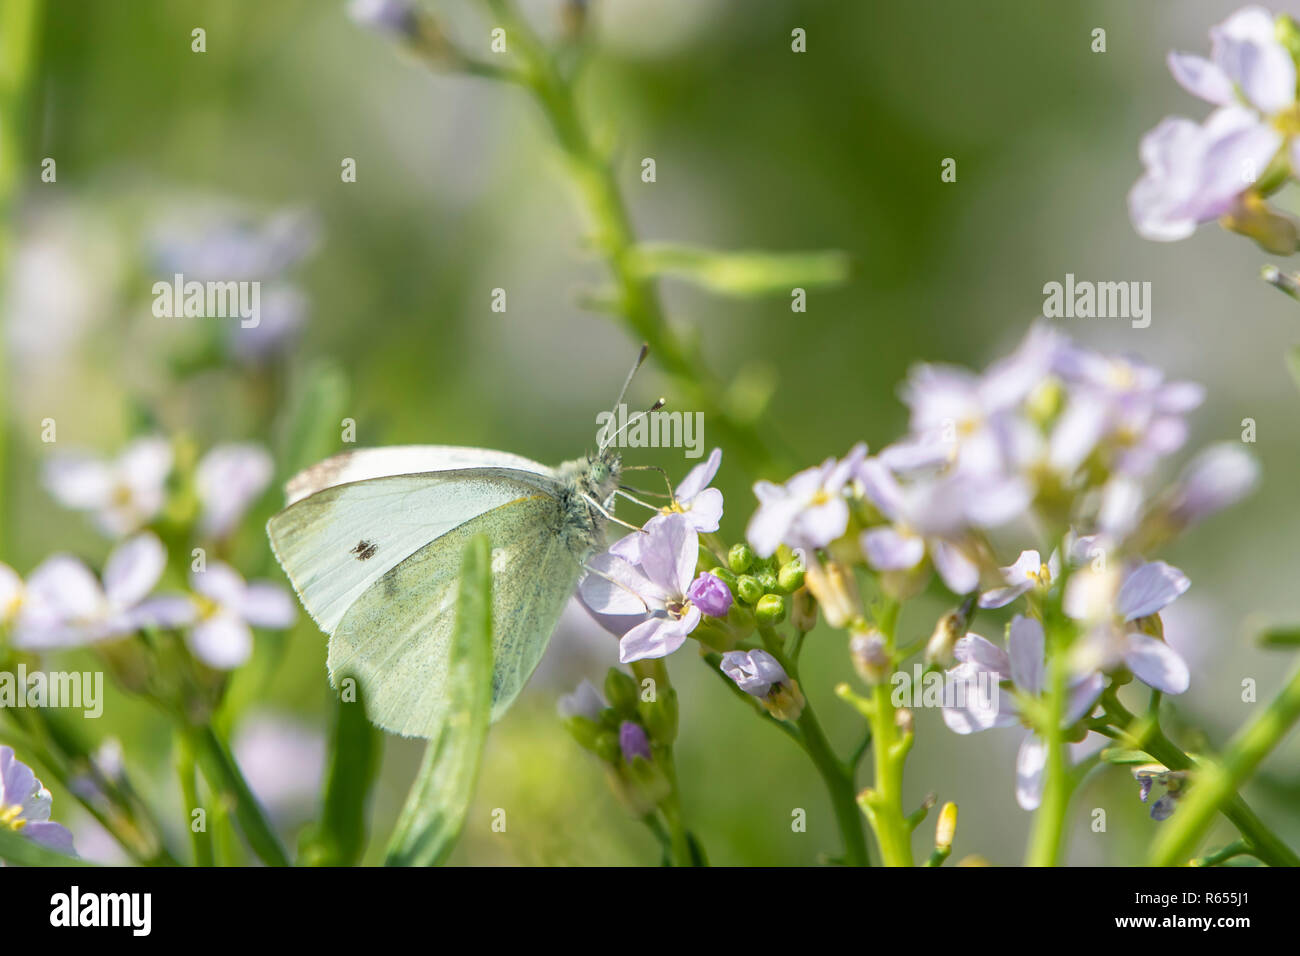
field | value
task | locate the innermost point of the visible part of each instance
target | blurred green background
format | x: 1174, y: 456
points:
x: 459, y: 191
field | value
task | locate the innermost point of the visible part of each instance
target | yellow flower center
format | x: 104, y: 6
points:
x: 11, y: 817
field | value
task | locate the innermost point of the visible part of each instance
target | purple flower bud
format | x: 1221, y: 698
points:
x: 754, y: 672
x: 710, y: 594
x: 1218, y: 477
x: 632, y: 740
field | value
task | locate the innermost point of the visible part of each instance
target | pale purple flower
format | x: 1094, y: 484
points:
x: 64, y: 604
x: 984, y: 664
x: 25, y: 805
x: 809, y: 511
x: 1195, y: 174
x: 226, y: 607
x: 124, y: 494
x: 633, y: 741
x: 585, y: 701
x: 1028, y: 572
x: 231, y: 245
x: 1113, y: 639
x: 281, y: 316
x: 1247, y: 61
x: 1216, y: 478
x: 1122, y: 404
x: 755, y: 672
x: 227, y: 480
x: 972, y: 420
x: 711, y: 595
x: 929, y: 516
x: 656, y: 589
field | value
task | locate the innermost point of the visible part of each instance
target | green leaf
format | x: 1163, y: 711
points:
x: 1123, y: 757
x: 431, y: 821
x: 340, y: 837
x: 16, y: 848
x: 311, y: 428
x: 740, y: 273
x: 1285, y: 637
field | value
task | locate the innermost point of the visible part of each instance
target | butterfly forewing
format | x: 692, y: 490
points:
x: 338, y: 542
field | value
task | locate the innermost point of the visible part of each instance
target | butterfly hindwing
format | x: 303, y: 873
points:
x: 395, y: 638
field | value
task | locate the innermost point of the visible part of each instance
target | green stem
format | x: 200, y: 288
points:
x: 228, y: 784
x: 187, y: 771
x: 1215, y: 787
x: 838, y: 778
x: 890, y: 744
x: 1048, y: 835
x: 636, y: 297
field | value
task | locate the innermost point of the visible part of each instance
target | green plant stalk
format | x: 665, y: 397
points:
x: 838, y: 778
x: 1216, y: 785
x: 227, y: 783
x: 187, y: 771
x: 837, y: 775
x: 637, y: 297
x: 1150, y: 739
x: 883, y: 802
x: 18, y: 34
x: 1048, y: 835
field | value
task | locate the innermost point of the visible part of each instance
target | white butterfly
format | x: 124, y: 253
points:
x: 372, y: 541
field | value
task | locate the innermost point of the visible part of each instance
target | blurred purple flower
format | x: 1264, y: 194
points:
x: 64, y: 604
x: 585, y: 701
x: 123, y: 494
x: 983, y: 665
x: 226, y: 606
x: 228, y: 479
x: 1218, y: 477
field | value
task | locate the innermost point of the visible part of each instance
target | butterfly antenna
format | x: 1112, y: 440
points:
x: 640, y: 359
x: 609, y: 440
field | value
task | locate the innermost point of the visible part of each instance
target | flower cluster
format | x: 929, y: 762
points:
x: 1225, y: 167
x: 1054, y: 439
x: 63, y: 603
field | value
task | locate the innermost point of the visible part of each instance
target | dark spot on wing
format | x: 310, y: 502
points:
x: 364, y: 550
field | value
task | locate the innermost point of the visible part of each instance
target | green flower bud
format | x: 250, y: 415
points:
x: 660, y: 716
x: 766, y: 578
x: 607, y: 747
x: 770, y: 609
x: 748, y: 589
x: 621, y: 691
x: 790, y: 578
x: 740, y: 558
x: 726, y: 576
x: 586, y: 732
